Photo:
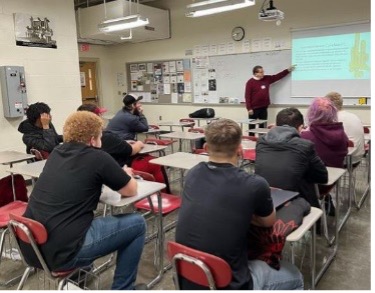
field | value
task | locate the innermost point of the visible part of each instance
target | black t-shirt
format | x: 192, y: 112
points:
x: 218, y: 202
x: 65, y: 196
x: 119, y: 149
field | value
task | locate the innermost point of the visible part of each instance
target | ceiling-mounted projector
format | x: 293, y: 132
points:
x: 271, y: 13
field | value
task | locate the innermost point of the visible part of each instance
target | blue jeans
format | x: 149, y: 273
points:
x: 122, y: 233
x: 267, y: 278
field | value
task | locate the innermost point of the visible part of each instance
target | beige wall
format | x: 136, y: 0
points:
x: 188, y: 32
x: 52, y: 75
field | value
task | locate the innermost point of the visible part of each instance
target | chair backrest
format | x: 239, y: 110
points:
x: 153, y: 126
x: 366, y: 129
x: 35, y: 229
x: 6, y: 190
x: 350, y: 143
x: 196, y: 130
x: 188, y: 120
x: 199, y: 267
x: 144, y: 175
x: 32, y: 234
x: 39, y: 155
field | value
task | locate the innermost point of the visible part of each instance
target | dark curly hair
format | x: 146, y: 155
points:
x: 34, y: 111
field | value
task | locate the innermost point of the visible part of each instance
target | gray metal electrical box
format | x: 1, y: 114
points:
x: 13, y: 90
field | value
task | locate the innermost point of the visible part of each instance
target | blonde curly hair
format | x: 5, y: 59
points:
x: 82, y: 126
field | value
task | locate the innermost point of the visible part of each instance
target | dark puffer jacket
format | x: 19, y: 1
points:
x: 39, y: 138
x: 289, y: 162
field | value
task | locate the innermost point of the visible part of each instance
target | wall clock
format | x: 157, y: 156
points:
x: 238, y: 33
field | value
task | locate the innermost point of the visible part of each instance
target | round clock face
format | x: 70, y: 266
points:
x: 238, y: 33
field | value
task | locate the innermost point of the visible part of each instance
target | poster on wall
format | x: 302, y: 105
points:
x: 34, y: 31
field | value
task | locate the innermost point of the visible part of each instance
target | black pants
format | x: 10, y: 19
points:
x: 260, y: 113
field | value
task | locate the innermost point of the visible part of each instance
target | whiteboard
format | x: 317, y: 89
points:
x: 233, y: 71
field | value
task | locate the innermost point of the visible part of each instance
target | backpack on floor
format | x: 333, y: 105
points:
x: 6, y: 190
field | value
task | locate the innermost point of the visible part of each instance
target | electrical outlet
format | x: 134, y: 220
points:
x: 160, y: 118
x: 119, y: 93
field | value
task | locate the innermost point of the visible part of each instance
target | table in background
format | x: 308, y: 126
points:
x: 208, y: 120
x: 152, y: 148
x: 180, y: 135
x: 259, y: 130
x: 176, y: 124
x: 255, y: 122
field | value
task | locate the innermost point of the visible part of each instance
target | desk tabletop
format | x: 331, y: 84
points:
x: 169, y: 123
x: 259, y: 130
x: 334, y: 174
x: 251, y: 121
x: 33, y: 169
x: 150, y: 148
x: 183, y: 135
x: 180, y: 160
x: 8, y: 157
x: 145, y: 188
x: 205, y: 119
x: 351, y: 150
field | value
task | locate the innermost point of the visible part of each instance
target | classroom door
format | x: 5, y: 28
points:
x: 89, y: 91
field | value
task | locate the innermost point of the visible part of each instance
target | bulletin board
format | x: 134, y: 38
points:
x: 163, y: 81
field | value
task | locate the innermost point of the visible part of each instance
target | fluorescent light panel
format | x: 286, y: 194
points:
x: 208, y: 7
x: 123, y: 23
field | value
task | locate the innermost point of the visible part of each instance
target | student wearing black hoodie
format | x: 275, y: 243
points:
x: 38, y: 130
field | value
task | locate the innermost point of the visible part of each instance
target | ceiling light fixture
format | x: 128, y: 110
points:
x: 209, y: 7
x: 123, y: 23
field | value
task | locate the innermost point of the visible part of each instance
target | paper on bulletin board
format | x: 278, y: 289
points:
x: 179, y: 65
x: 172, y: 66
x: 197, y: 50
x: 267, y: 44
x: 246, y: 46
x: 167, y: 88
x: 120, y: 79
x: 149, y: 68
x: 187, y: 87
x: 166, y: 78
x: 180, y: 77
x: 231, y: 49
x: 186, y: 98
x: 165, y: 67
x: 256, y: 45
x: 174, y: 98
x: 187, y: 75
x: 204, y: 50
x: 213, y: 49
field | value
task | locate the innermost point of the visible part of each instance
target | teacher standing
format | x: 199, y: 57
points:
x: 257, y: 92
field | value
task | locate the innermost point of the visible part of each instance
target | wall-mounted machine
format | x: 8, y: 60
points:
x: 13, y: 91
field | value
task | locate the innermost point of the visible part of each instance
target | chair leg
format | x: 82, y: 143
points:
x: 2, y: 241
x: 24, y: 277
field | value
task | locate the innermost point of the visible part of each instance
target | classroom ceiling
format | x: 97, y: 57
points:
x: 89, y: 3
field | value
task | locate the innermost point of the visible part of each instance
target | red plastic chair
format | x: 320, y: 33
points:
x: 366, y: 129
x: 198, y: 267
x: 187, y: 120
x: 39, y: 155
x: 35, y: 234
x: 10, y: 203
x: 195, y: 150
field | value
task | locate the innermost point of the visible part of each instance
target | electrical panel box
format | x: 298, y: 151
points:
x: 13, y: 91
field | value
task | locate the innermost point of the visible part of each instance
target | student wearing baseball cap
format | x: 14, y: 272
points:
x: 129, y: 120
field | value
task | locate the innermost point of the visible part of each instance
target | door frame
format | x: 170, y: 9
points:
x: 98, y: 77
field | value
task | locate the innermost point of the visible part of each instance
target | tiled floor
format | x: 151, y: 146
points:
x: 349, y: 271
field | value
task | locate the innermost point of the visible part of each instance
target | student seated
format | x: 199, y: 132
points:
x: 288, y: 161
x: 67, y: 193
x: 352, y: 126
x: 218, y: 203
x: 130, y: 120
x: 118, y: 148
x: 38, y: 130
x: 326, y: 132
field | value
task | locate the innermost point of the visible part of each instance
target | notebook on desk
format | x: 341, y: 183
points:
x: 280, y: 196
